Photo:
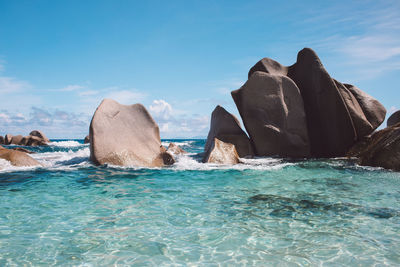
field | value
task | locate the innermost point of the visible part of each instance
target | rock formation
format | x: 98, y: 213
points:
x: 1, y: 140
x: 7, y: 139
x: 40, y: 135
x: 337, y: 115
x: 394, y: 119
x: 226, y: 128
x: 175, y: 149
x: 86, y: 140
x: 222, y: 153
x: 272, y: 110
x: 381, y: 149
x: 127, y: 136
x: 16, y: 139
x: 17, y: 158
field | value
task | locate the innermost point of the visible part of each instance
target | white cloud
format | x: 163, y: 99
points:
x: 12, y: 85
x: 88, y: 93
x: 126, y: 97
x: 161, y: 109
x: 70, y: 88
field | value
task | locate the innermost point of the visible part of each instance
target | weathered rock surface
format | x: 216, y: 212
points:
x: 226, y: 127
x: 381, y: 149
x: 23, y: 150
x: 16, y: 139
x: 127, y: 136
x: 175, y: 149
x: 337, y: 114
x: 1, y: 140
x: 272, y: 111
x: 17, y: 158
x: 40, y: 134
x: 222, y: 153
x: 7, y: 139
x: 394, y: 119
x: 86, y: 140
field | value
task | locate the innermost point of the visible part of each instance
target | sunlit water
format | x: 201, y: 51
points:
x: 262, y: 212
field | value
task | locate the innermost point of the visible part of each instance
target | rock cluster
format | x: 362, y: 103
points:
x: 35, y: 138
x: 300, y: 111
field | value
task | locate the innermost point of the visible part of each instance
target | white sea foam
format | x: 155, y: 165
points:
x: 62, y: 159
x: 182, y: 143
x: 67, y: 144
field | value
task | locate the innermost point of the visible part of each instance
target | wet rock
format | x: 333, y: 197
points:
x: 17, y: 158
x: 86, y: 140
x: 381, y: 149
x: 175, y: 149
x: 222, y: 153
x: 127, y: 136
x: 226, y: 127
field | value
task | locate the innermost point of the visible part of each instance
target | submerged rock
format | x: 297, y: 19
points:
x: 17, y: 158
x: 394, y: 119
x: 127, y: 136
x: 175, y: 149
x: 382, y: 149
x: 272, y: 110
x: 226, y: 127
x: 222, y: 153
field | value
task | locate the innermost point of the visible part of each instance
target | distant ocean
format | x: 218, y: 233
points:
x: 263, y: 212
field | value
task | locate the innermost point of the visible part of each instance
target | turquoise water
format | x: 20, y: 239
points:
x: 263, y: 212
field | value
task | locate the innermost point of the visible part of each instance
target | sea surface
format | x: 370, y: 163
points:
x: 263, y: 212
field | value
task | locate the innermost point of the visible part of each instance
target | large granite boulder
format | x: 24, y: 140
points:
x: 381, y: 149
x: 337, y: 115
x: 127, y: 136
x: 226, y: 127
x: 222, y: 153
x: 33, y: 141
x: 1, y: 140
x: 394, y: 119
x: 272, y: 111
x: 17, y: 158
x: 86, y: 140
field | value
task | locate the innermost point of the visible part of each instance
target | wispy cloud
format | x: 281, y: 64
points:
x: 73, y: 87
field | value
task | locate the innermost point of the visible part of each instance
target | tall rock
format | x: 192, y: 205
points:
x: 226, y: 127
x: 272, y: 111
x: 127, y: 136
x: 337, y: 115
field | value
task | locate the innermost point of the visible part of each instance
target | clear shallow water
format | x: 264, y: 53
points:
x: 264, y: 212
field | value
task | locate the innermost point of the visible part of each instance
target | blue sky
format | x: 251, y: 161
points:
x: 59, y: 59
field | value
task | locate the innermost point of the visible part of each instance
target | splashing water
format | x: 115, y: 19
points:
x: 265, y: 211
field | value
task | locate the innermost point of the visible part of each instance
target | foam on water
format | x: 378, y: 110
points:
x: 264, y: 211
x: 67, y: 144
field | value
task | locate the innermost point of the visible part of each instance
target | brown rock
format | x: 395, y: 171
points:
x: 40, y: 134
x: 17, y: 158
x: 86, y: 140
x: 127, y: 136
x: 382, y: 149
x: 226, y: 127
x: 1, y: 140
x: 175, y: 149
x: 222, y: 153
x: 337, y: 114
x: 7, y: 139
x: 23, y: 150
x: 272, y: 111
x: 394, y: 119
x: 16, y: 139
